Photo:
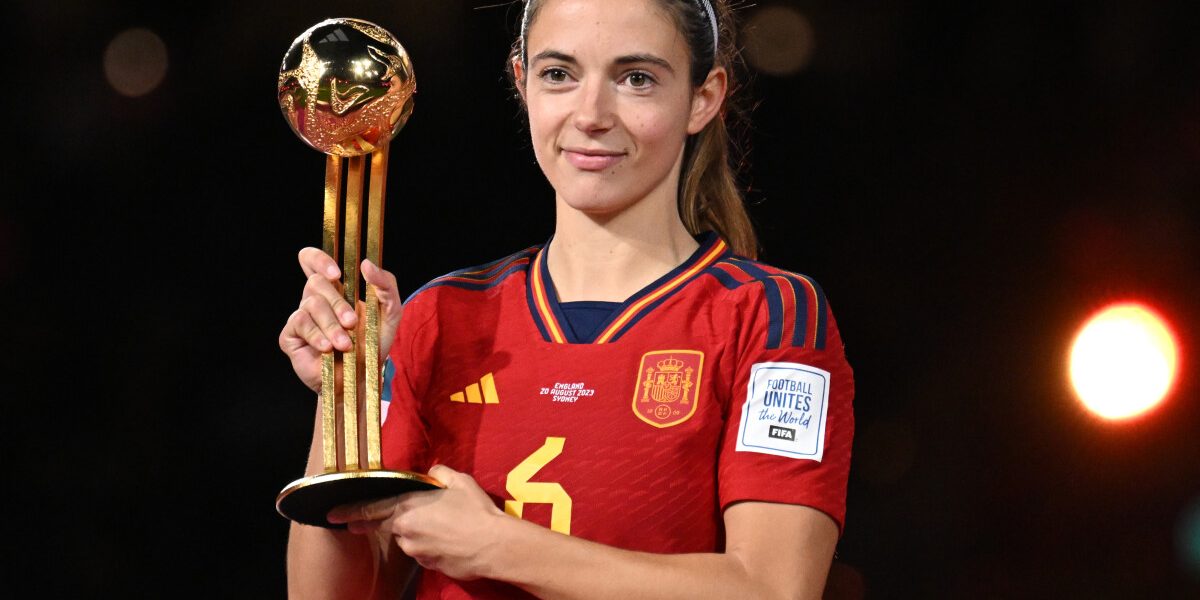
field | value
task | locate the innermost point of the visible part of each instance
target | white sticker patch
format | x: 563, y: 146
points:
x: 785, y: 411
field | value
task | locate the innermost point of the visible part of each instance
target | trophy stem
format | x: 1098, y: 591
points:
x: 350, y: 274
x: 329, y: 243
x: 375, y: 205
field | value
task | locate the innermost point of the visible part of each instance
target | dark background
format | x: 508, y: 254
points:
x: 968, y: 181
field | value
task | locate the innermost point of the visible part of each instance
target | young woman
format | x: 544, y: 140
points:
x: 634, y: 409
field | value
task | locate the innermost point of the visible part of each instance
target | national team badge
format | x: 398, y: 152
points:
x: 668, y: 386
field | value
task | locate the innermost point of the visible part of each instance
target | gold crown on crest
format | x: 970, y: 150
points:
x: 670, y: 364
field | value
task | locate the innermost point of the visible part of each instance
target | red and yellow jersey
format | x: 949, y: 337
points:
x: 722, y: 381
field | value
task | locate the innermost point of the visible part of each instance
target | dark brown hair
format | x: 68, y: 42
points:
x: 709, y: 196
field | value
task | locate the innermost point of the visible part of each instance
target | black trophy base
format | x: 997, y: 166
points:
x: 308, y: 500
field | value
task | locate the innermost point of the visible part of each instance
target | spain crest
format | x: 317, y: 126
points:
x: 668, y: 386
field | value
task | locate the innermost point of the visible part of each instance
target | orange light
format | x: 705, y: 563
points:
x: 1123, y: 361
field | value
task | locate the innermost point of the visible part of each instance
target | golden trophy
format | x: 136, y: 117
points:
x: 346, y: 89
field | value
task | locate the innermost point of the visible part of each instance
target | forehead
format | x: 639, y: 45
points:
x: 605, y: 27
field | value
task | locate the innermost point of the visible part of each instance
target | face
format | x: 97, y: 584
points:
x: 610, y: 101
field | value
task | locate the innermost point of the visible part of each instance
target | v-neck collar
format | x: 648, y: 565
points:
x: 552, y: 323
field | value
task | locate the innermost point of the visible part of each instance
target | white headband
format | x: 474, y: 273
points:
x: 708, y: 10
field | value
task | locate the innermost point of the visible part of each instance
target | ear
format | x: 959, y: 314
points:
x: 518, y: 70
x: 708, y: 99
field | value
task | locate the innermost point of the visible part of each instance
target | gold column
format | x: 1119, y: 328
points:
x: 329, y: 243
x: 375, y: 206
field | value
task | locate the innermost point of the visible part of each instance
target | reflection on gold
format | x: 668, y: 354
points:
x: 346, y: 87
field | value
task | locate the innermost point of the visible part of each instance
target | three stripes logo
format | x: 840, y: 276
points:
x: 483, y: 392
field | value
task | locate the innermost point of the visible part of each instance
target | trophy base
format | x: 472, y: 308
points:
x: 308, y: 500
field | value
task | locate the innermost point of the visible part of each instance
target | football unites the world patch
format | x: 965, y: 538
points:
x: 668, y: 386
x: 785, y: 411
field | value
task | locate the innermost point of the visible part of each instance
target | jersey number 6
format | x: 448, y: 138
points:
x: 530, y: 492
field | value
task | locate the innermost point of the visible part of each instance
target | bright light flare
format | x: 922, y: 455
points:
x: 1123, y: 361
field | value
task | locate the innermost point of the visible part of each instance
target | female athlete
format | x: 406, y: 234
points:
x: 635, y: 409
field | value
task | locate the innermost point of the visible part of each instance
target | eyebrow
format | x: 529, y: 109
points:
x: 621, y: 60
x: 645, y: 58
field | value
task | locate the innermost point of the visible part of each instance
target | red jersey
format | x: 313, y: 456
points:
x: 722, y: 381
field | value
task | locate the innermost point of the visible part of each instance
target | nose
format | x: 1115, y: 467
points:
x: 594, y: 112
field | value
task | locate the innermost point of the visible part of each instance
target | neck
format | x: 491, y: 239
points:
x: 610, y: 257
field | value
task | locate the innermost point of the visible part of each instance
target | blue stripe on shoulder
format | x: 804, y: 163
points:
x: 822, y: 313
x: 481, y: 277
x: 800, y: 294
x: 773, y: 296
x: 723, y: 277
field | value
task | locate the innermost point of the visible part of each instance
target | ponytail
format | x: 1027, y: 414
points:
x: 709, y: 196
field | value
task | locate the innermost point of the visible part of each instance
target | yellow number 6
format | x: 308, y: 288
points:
x: 529, y: 492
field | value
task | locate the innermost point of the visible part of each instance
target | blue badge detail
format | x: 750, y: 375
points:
x: 389, y: 371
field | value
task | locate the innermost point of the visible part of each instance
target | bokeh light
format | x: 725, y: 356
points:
x: 779, y: 41
x: 135, y: 62
x: 1188, y: 538
x: 1123, y: 361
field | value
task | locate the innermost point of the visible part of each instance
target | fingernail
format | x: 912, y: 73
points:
x: 331, y: 271
x: 323, y: 345
x: 343, y: 339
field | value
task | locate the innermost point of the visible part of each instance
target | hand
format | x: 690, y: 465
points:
x: 324, y: 320
x: 451, y: 530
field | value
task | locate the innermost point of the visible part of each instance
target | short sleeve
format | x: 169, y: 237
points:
x: 790, y: 425
x: 404, y: 435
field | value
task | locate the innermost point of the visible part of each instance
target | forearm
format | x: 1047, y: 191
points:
x: 554, y: 566
x: 327, y: 563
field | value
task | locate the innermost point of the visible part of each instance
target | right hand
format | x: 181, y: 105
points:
x: 324, y: 320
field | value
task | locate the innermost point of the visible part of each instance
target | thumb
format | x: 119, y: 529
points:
x: 443, y: 474
x: 390, y: 308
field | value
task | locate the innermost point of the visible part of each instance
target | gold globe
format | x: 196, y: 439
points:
x: 346, y: 87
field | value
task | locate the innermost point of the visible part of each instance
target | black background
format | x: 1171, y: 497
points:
x: 968, y: 181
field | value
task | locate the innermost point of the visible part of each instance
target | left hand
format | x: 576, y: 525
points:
x: 451, y: 530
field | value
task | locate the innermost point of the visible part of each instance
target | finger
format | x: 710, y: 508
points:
x: 322, y: 322
x: 331, y: 292
x: 314, y: 261
x: 386, y: 289
x: 376, y: 510
x: 300, y: 332
x: 443, y: 474
x: 388, y: 293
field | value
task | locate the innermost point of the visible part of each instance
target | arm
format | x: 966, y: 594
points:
x: 328, y: 563
x: 323, y: 563
x: 772, y: 550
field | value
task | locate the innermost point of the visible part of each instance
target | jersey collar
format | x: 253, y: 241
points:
x: 547, y: 314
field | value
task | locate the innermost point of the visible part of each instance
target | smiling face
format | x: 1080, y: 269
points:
x: 610, y: 102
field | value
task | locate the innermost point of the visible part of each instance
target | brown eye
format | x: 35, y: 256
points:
x: 554, y: 75
x: 639, y: 80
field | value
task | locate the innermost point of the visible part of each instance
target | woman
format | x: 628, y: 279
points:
x: 631, y: 410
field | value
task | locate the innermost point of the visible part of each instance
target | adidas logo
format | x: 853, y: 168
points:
x: 483, y: 392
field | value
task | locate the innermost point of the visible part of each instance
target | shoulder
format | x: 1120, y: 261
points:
x: 477, y: 278
x: 791, y: 306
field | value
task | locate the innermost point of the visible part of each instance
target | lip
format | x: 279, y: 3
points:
x: 586, y: 159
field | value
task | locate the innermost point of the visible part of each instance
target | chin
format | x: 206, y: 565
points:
x: 597, y: 207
